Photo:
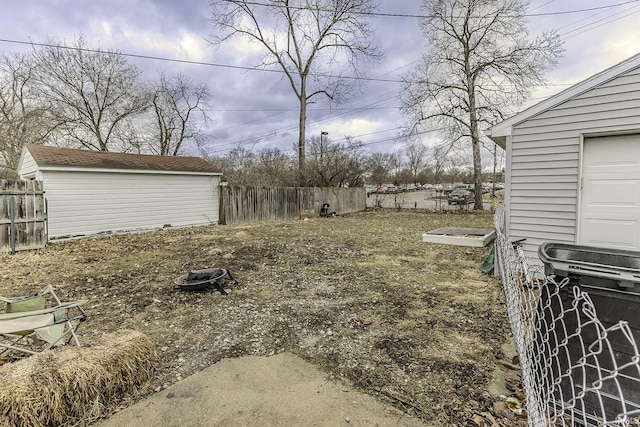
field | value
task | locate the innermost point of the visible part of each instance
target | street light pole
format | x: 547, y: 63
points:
x: 322, y: 133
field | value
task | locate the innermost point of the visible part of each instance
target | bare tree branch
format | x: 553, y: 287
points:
x: 176, y: 101
x: 23, y: 119
x: 90, y: 94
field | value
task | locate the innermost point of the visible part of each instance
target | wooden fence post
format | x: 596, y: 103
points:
x: 12, y: 227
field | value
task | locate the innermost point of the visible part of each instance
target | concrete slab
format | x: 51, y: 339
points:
x: 281, y: 390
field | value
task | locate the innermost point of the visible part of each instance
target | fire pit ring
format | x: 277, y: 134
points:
x: 207, y: 278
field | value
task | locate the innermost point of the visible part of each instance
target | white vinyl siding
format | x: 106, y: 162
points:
x: 545, y: 158
x: 84, y: 203
x: 28, y: 167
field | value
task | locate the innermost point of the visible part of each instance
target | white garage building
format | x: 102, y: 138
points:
x: 90, y: 192
x: 573, y: 164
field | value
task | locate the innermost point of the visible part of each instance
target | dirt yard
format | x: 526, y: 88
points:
x: 415, y: 325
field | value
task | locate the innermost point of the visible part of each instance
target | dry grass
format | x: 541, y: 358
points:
x: 360, y: 296
x: 74, y: 385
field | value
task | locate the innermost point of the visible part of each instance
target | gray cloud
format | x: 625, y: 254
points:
x: 173, y: 29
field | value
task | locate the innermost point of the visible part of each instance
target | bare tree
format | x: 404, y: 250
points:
x: 416, y: 154
x: 334, y: 164
x: 22, y: 118
x: 178, y: 106
x: 479, y: 63
x: 440, y: 153
x: 304, y: 39
x: 381, y: 166
x: 275, y: 169
x: 268, y: 168
x: 238, y: 166
x: 90, y: 94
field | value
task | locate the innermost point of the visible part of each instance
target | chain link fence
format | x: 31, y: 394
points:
x: 578, y: 368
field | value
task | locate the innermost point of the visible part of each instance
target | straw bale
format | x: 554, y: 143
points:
x: 72, y: 385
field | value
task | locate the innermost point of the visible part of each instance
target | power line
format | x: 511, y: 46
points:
x: 186, y: 61
x: 581, y: 20
x: 287, y: 110
x: 276, y: 71
x: 567, y: 12
x: 590, y: 9
x: 609, y: 19
x: 375, y: 101
x: 247, y: 123
x: 382, y: 98
x: 342, y: 112
x: 209, y: 64
x: 405, y: 15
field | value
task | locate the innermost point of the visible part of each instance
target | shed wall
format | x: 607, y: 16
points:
x: 84, y: 203
x: 546, y: 155
x: 28, y: 167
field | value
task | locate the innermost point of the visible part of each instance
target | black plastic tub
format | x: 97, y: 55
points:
x: 589, y: 265
x: 611, y: 279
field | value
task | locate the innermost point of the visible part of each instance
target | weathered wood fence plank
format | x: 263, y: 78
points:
x: 22, y: 216
x: 258, y: 204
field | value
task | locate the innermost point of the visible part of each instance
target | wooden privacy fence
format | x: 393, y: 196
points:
x: 22, y: 216
x: 256, y: 204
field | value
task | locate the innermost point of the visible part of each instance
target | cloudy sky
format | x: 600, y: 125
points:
x: 256, y: 109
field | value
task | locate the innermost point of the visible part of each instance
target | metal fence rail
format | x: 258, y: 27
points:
x: 575, y: 370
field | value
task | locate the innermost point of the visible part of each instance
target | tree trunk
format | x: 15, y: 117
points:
x: 475, y: 143
x: 301, y: 134
x: 477, y: 171
x: 302, y: 122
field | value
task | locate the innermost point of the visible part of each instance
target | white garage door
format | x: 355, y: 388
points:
x: 610, y: 195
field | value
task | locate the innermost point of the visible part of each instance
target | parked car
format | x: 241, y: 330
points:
x: 460, y: 196
x: 393, y: 190
x: 448, y: 189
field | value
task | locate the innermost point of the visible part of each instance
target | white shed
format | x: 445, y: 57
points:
x: 89, y: 192
x: 573, y: 164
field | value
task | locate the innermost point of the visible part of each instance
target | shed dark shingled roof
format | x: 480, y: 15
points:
x: 74, y: 158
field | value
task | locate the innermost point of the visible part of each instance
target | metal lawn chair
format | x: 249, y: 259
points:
x: 29, y: 326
